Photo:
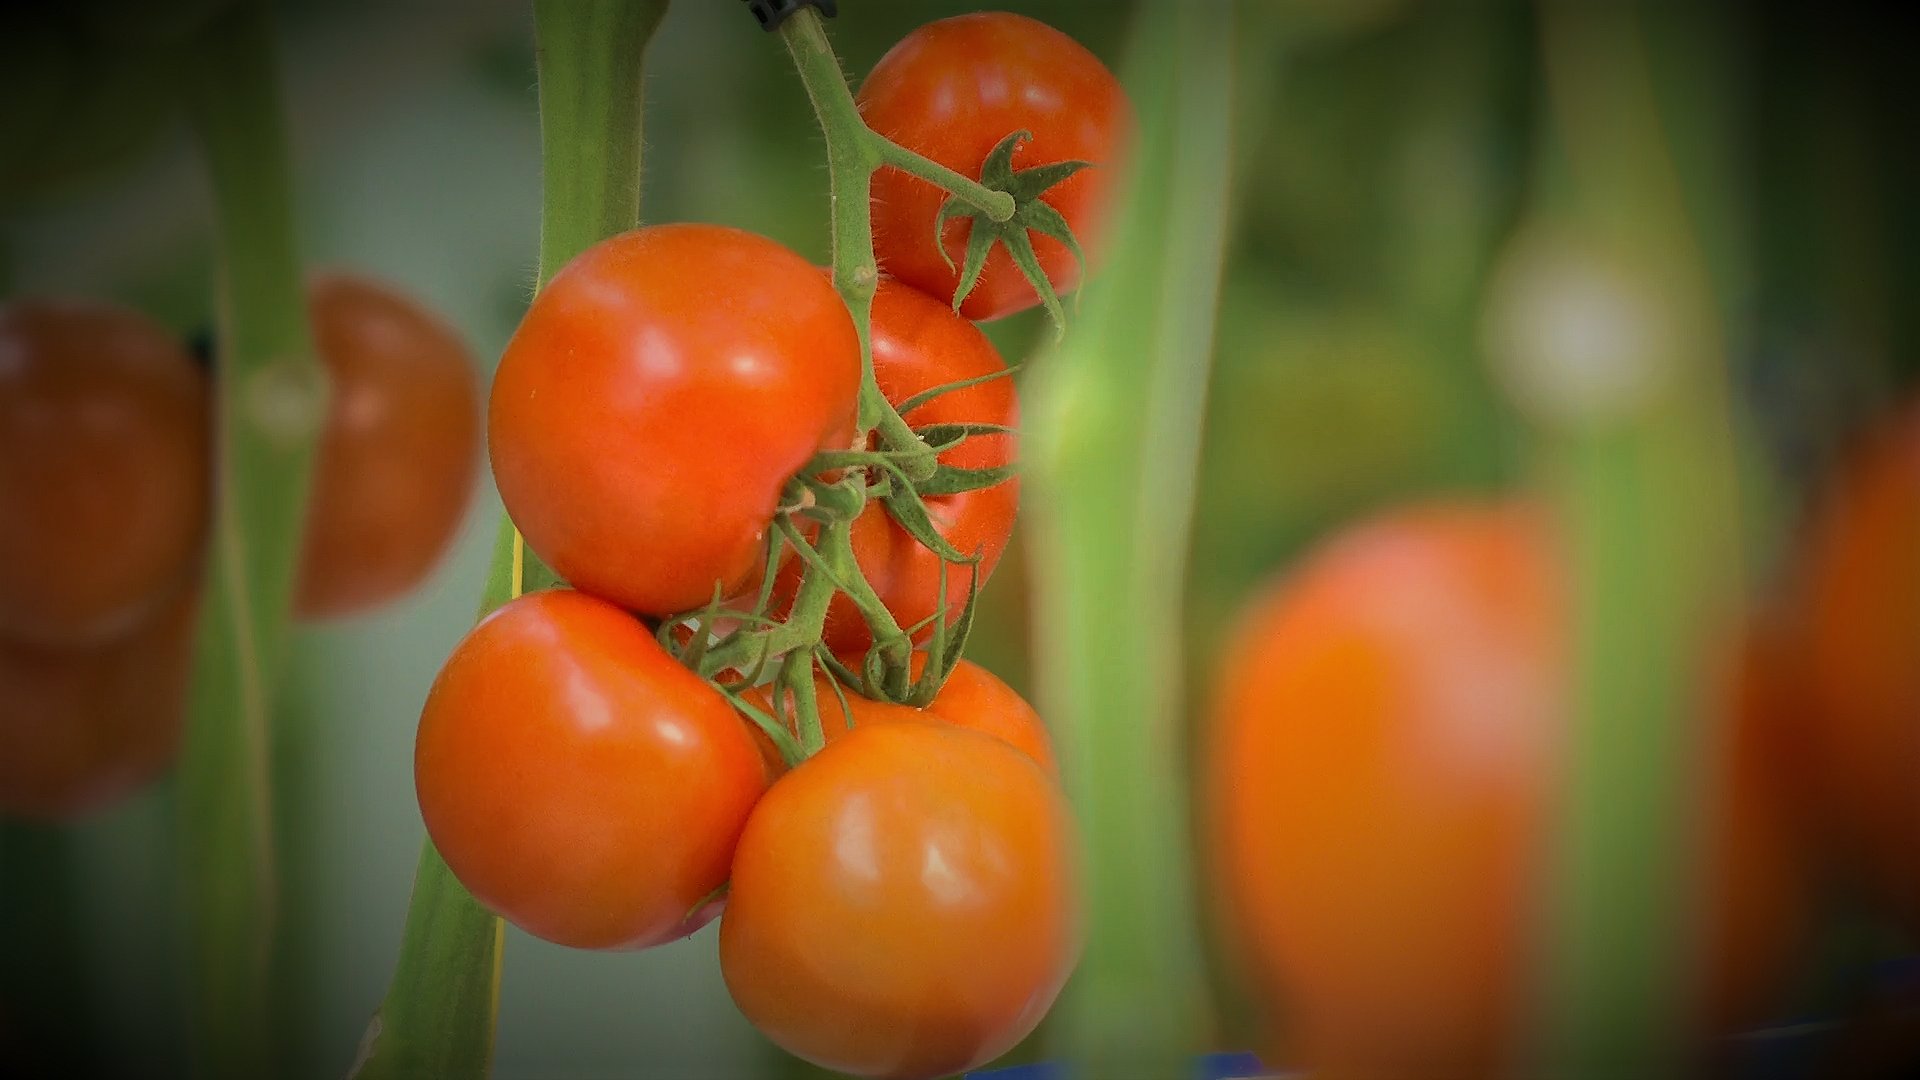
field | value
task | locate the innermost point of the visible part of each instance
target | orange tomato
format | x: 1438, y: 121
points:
x: 903, y: 903
x: 103, y: 470
x: 1382, y: 767
x: 400, y: 453
x: 83, y: 728
x: 578, y: 780
x: 972, y: 698
x: 1856, y: 629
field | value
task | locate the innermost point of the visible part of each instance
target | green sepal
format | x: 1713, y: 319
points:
x: 906, y: 509
x: 1030, y: 214
x: 931, y: 393
x: 952, y: 480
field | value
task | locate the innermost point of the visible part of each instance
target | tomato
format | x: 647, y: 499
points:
x: 658, y: 395
x: 397, y: 460
x: 904, y: 903
x: 81, y: 728
x: 1856, y: 622
x: 578, y: 780
x: 1381, y: 771
x: 953, y: 89
x: 972, y: 698
x: 104, y: 469
x: 918, y: 344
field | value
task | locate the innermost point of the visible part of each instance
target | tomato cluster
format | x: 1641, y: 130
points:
x: 748, y: 700
x: 106, y: 432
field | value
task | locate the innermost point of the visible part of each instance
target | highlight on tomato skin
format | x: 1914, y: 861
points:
x: 399, y: 458
x: 905, y: 904
x: 579, y: 781
x: 84, y: 728
x: 655, y: 400
x: 1382, y: 759
x: 105, y: 470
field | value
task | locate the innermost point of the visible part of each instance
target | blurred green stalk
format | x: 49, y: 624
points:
x: 1113, y: 440
x: 439, y: 1015
x: 271, y: 402
x: 1648, y: 491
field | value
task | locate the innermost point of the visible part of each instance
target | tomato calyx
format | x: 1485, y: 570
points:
x: 1030, y: 214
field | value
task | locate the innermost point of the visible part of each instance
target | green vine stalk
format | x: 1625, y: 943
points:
x: 439, y: 1014
x: 271, y: 405
x: 1648, y: 489
x: 1113, y: 452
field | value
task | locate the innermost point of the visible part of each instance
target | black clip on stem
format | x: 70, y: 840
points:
x: 772, y: 13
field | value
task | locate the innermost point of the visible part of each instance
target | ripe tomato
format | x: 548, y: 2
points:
x: 1381, y: 770
x: 1857, y: 628
x: 972, y: 698
x: 578, y: 780
x: 904, y: 904
x: 103, y: 470
x: 661, y: 390
x: 397, y: 461
x: 81, y: 728
x: 954, y: 88
x: 918, y: 344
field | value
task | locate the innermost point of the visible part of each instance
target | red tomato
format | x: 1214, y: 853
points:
x: 1382, y: 775
x: 578, y: 780
x: 954, y: 88
x: 397, y: 461
x: 81, y: 728
x: 103, y: 470
x: 972, y: 698
x: 661, y: 390
x: 918, y: 344
x: 904, y: 904
x: 1857, y: 628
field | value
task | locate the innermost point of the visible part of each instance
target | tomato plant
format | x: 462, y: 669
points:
x: 103, y: 470
x: 1385, y: 734
x: 920, y: 344
x: 972, y: 698
x: 83, y: 727
x: 903, y: 903
x: 398, y: 458
x: 1856, y: 627
x: 656, y: 399
x: 578, y: 780
x: 953, y: 90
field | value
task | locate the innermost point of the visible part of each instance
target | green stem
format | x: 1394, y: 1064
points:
x: 1649, y: 495
x: 997, y: 205
x: 805, y: 619
x: 440, y: 1011
x: 854, y: 151
x: 1112, y: 461
x: 271, y: 404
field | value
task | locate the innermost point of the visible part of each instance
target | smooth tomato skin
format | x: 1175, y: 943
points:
x: 577, y: 779
x: 951, y: 90
x: 399, y: 456
x: 904, y: 904
x: 104, y: 470
x: 918, y: 344
x: 1856, y: 628
x: 83, y: 728
x: 1381, y: 776
x: 661, y: 390
x: 972, y: 698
